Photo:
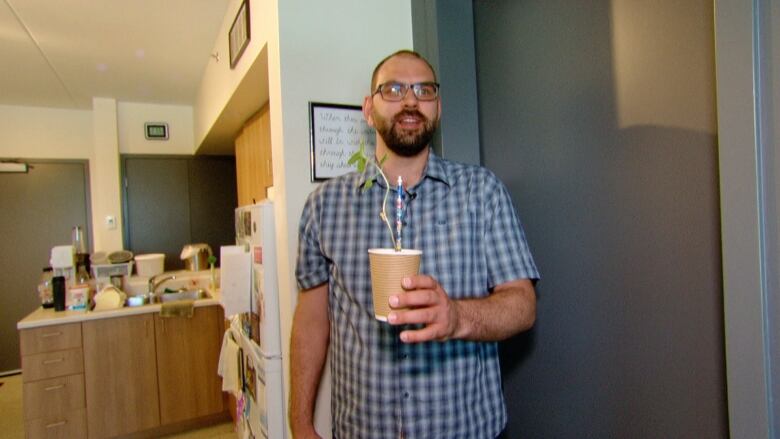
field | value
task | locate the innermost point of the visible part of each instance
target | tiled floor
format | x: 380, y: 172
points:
x: 12, y: 425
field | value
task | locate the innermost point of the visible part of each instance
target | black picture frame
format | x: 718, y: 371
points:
x: 240, y: 34
x: 335, y: 132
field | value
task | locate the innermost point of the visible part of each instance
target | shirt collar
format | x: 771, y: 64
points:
x: 434, y: 169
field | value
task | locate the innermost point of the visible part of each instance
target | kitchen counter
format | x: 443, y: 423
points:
x: 47, y: 316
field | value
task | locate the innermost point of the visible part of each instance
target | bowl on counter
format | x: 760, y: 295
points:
x: 133, y: 301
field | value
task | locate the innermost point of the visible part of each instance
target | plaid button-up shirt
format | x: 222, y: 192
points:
x: 463, y: 220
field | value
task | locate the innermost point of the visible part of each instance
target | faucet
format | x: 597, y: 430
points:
x: 155, y: 282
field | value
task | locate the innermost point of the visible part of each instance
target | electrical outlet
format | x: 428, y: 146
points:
x: 110, y: 222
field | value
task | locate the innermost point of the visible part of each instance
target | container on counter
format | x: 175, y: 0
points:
x: 150, y: 264
x: 45, y: 288
x: 58, y: 291
x: 79, y: 294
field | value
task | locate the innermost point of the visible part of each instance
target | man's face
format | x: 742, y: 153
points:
x: 406, y: 126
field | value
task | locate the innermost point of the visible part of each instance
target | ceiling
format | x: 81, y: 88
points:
x: 62, y: 53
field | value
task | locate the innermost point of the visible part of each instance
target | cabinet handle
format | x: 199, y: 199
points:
x: 56, y: 360
x: 56, y: 424
x: 50, y: 388
x: 51, y: 334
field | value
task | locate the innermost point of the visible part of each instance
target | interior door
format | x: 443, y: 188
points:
x: 157, y: 212
x: 39, y: 209
x: 171, y: 201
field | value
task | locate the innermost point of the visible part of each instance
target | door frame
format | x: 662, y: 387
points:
x: 745, y: 144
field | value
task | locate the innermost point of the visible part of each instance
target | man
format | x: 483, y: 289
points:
x: 431, y: 371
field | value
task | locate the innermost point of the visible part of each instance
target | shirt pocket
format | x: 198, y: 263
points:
x: 459, y: 260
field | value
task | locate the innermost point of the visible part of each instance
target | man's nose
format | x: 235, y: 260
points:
x: 410, y: 99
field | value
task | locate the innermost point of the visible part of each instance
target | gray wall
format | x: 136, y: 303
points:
x: 599, y: 116
x: 451, y: 23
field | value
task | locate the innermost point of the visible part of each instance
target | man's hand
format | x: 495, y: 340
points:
x: 429, y: 305
x: 508, y: 309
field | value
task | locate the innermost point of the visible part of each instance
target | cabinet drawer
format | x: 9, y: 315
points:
x: 70, y: 425
x: 52, y: 364
x: 50, y: 338
x: 53, y: 397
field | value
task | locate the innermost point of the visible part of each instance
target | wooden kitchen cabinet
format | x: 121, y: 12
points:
x: 120, y: 375
x: 254, y: 169
x: 187, y: 357
x: 53, y: 382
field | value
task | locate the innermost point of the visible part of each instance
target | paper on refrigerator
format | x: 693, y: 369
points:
x: 235, y: 279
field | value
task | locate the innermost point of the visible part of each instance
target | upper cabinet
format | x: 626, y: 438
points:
x: 254, y: 170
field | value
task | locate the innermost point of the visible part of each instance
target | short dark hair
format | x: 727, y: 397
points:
x: 402, y: 52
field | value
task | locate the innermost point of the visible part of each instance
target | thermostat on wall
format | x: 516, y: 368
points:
x: 156, y: 130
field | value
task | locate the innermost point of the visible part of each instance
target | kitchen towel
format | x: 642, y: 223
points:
x: 228, y: 364
x: 177, y: 308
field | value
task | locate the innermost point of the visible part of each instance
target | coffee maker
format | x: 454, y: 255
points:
x: 62, y: 262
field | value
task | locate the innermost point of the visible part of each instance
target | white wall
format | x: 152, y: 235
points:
x: 99, y: 136
x: 45, y: 133
x: 329, y: 50
x: 132, y: 116
x: 219, y: 81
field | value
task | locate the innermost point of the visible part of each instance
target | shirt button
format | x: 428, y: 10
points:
x: 406, y: 394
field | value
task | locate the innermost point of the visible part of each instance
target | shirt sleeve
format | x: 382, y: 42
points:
x: 508, y: 255
x: 311, y: 268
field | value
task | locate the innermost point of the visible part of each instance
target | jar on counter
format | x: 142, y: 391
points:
x: 45, y: 288
x: 79, y: 294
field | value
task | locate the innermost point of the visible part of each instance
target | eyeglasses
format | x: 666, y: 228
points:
x: 396, y: 91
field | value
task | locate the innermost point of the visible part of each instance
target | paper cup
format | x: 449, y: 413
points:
x: 388, y: 268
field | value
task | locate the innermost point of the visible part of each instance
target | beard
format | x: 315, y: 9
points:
x: 405, y: 143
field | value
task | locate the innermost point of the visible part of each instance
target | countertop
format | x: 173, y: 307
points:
x: 47, y: 316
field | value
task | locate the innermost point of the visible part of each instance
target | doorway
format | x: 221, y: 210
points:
x: 40, y: 207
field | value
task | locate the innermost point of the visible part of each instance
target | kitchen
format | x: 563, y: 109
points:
x: 290, y: 40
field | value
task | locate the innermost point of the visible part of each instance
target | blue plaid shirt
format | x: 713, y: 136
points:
x: 463, y: 220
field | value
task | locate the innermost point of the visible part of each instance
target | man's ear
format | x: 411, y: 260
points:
x: 368, y: 105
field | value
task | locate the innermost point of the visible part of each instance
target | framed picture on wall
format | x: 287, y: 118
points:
x: 239, y: 35
x: 335, y: 132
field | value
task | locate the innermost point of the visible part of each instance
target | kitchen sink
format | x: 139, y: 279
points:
x: 182, y: 295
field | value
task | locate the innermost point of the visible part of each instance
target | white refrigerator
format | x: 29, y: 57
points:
x: 250, y: 296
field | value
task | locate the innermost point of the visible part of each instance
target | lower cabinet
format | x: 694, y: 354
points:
x: 187, y: 357
x: 146, y: 371
x: 53, y: 382
x: 120, y: 375
x: 137, y: 375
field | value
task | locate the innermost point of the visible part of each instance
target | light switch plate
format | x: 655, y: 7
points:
x: 110, y: 222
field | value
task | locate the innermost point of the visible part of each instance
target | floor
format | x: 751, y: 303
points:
x: 12, y: 425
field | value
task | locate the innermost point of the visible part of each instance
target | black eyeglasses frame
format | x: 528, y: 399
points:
x: 414, y: 87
